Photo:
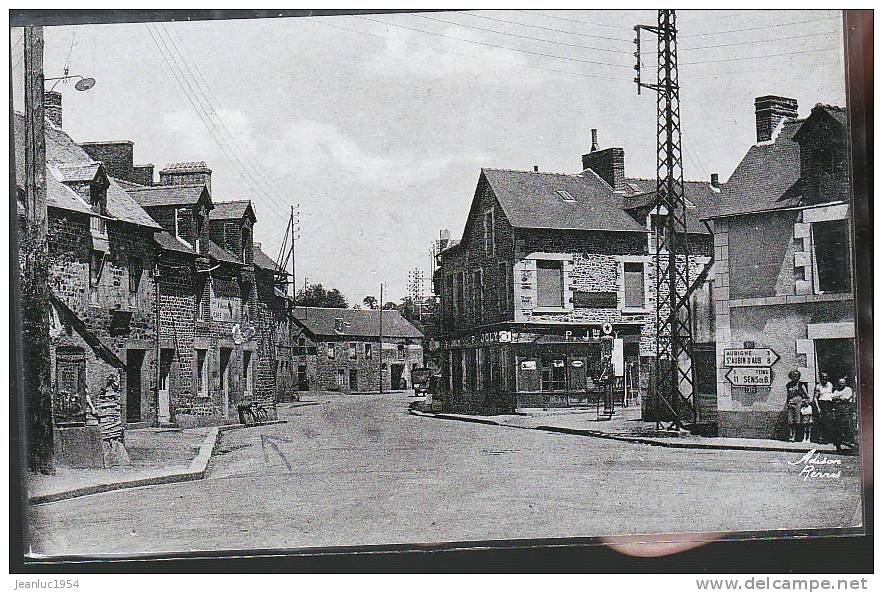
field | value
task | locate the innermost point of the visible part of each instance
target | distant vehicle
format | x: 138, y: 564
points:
x: 420, y: 380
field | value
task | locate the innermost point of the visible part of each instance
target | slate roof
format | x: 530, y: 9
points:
x: 149, y: 196
x: 767, y: 178
x: 61, y: 196
x: 77, y: 171
x: 529, y: 200
x: 701, y: 199
x: 220, y: 254
x: 263, y: 261
x: 319, y: 321
x: 168, y: 242
x: 232, y: 210
x: 62, y: 150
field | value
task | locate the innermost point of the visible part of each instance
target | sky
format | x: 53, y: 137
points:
x: 377, y: 126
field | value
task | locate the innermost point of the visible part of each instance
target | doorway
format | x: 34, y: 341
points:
x: 354, y: 380
x: 224, y: 368
x: 247, y: 375
x: 302, y: 384
x: 836, y: 356
x: 134, y: 362
x: 395, y: 373
x: 164, y: 391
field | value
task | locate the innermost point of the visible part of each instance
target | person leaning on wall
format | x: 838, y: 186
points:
x: 823, y: 398
x: 795, y: 395
x: 843, y: 417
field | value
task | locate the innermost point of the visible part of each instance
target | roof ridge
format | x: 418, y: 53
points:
x: 164, y: 185
x: 532, y: 172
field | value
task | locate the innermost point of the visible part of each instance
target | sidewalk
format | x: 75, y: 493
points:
x: 626, y: 425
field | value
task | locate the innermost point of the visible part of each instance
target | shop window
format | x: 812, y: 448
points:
x: 830, y: 241
x: 330, y: 349
x: 69, y: 402
x: 550, y: 283
x: 553, y: 373
x: 633, y: 285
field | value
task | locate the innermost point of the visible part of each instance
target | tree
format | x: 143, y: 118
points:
x: 316, y: 295
x: 370, y: 302
x: 390, y: 306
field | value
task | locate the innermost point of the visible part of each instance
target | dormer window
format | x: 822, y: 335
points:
x: 97, y: 223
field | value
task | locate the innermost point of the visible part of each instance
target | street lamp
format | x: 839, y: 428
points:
x: 607, y: 373
x: 83, y: 84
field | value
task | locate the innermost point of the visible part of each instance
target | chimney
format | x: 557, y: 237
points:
x: 608, y: 163
x: 536, y: 168
x: 52, y: 107
x: 769, y: 111
x: 116, y: 156
x: 186, y: 173
x: 142, y: 174
x: 715, y: 180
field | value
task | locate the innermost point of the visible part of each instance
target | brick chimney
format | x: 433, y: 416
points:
x: 186, y: 173
x: 608, y: 163
x: 715, y: 180
x: 116, y: 156
x: 52, y: 107
x: 142, y: 174
x: 769, y: 111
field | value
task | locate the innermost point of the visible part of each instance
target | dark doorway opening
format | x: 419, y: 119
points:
x: 836, y: 357
x: 395, y: 372
x: 354, y: 380
x: 134, y: 362
x: 302, y: 384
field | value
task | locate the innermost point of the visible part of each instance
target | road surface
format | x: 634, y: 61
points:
x: 363, y: 471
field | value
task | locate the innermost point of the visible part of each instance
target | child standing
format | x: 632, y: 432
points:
x: 806, y: 418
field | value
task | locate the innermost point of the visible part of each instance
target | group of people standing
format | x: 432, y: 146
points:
x: 830, y: 408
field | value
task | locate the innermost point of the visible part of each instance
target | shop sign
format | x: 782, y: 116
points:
x: 594, y: 300
x: 528, y: 365
x: 558, y: 363
x: 750, y: 377
x: 750, y: 357
x: 576, y: 363
x: 504, y: 336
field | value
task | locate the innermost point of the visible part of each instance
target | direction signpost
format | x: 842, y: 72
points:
x: 750, y: 367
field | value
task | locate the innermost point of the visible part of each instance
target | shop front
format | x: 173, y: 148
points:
x: 544, y: 367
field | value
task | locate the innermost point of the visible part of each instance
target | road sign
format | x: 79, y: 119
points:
x: 607, y: 328
x: 750, y: 377
x: 750, y: 357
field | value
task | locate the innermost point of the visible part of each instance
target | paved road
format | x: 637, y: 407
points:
x: 364, y: 471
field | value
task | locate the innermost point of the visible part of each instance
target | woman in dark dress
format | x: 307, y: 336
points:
x: 795, y: 393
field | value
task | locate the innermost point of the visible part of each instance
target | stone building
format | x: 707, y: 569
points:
x: 355, y: 350
x: 275, y: 329
x: 101, y: 261
x: 783, y: 249
x: 182, y: 210
x: 546, y: 264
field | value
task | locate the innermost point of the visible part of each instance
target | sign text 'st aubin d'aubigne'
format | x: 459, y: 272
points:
x: 749, y: 357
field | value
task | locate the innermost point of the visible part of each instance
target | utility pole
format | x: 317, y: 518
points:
x: 381, y: 339
x: 34, y: 286
x: 674, y: 373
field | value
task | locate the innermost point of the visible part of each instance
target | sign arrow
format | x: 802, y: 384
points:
x: 750, y: 377
x: 750, y: 357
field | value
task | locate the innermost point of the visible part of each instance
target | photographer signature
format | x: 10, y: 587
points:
x: 816, y: 465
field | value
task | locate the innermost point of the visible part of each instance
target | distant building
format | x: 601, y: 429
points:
x: 354, y: 352
x: 547, y: 262
x: 784, y: 263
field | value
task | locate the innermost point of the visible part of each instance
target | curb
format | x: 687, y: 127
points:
x: 672, y: 444
x: 196, y: 471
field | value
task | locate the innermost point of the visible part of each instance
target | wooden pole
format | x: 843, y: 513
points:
x: 381, y: 341
x: 34, y: 286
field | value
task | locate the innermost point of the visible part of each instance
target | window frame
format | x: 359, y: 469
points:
x: 560, y: 304
x: 620, y: 293
x: 488, y: 222
x: 816, y: 277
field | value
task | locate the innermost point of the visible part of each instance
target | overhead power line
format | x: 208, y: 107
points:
x: 789, y: 53
x: 202, y: 84
x: 481, y: 16
x: 557, y: 57
x: 759, y: 41
x: 473, y: 57
x: 593, y: 23
x: 497, y: 32
x: 193, y: 98
x: 760, y: 27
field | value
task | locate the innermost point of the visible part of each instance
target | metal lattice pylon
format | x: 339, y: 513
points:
x: 674, y: 374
